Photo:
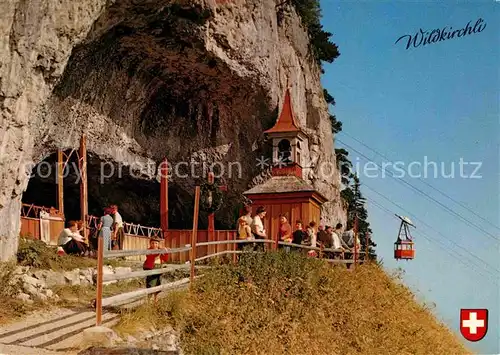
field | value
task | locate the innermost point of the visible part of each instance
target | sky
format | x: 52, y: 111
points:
x: 431, y: 103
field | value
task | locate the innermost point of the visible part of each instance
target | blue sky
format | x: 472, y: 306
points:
x: 437, y: 102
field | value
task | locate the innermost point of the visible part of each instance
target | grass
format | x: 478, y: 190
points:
x: 82, y: 295
x: 37, y: 254
x: 78, y: 295
x: 280, y: 303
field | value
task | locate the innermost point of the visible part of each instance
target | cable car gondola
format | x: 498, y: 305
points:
x: 404, y: 248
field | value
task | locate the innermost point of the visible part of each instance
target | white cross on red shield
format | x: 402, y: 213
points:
x: 473, y: 323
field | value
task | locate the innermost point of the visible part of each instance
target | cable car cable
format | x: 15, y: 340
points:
x: 458, y: 256
x: 446, y: 249
x: 426, y: 183
x: 432, y: 228
x: 426, y: 195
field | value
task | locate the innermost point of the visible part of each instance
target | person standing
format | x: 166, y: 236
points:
x: 299, y: 234
x: 105, y: 226
x: 336, y: 241
x: 310, y: 238
x: 118, y: 233
x: 284, y: 232
x: 244, y: 232
x: 248, y: 215
x: 257, y: 227
x: 150, y: 264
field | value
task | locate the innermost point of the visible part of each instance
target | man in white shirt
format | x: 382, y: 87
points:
x: 257, y: 226
x: 118, y: 233
x: 336, y: 243
x: 71, y: 241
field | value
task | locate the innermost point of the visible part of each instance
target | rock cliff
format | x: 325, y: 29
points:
x: 193, y: 81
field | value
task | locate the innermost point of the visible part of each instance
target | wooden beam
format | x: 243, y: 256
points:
x: 211, y: 218
x: 124, y: 253
x: 143, y: 292
x: 194, y: 235
x: 83, y: 184
x: 144, y: 273
x: 60, y: 181
x: 164, y: 197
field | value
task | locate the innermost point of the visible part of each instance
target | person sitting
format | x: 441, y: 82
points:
x: 71, y: 241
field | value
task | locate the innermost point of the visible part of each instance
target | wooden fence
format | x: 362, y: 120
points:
x: 41, y: 223
x: 198, y: 249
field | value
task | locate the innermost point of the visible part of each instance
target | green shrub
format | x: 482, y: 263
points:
x: 322, y: 48
x: 37, y: 254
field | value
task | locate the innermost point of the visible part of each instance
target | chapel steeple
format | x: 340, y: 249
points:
x: 289, y: 142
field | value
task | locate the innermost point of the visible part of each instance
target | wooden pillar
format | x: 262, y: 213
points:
x: 194, y: 235
x: 60, y: 181
x: 83, y: 185
x: 98, y: 298
x: 211, y: 219
x: 164, y: 197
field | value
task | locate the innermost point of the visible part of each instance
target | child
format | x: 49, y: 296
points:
x: 244, y: 232
x: 149, y: 264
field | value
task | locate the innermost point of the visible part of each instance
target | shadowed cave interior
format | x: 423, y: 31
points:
x: 138, y: 199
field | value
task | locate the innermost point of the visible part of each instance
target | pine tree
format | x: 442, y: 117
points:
x: 356, y: 208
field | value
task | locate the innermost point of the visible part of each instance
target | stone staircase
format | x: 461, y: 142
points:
x: 55, y: 331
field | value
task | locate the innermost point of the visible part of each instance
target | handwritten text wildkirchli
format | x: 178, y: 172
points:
x: 425, y: 37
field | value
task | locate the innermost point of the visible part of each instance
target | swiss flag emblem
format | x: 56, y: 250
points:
x: 473, y: 323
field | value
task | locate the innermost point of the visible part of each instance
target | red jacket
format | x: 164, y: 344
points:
x: 149, y: 264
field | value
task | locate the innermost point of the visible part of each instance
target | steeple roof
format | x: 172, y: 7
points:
x: 286, y: 121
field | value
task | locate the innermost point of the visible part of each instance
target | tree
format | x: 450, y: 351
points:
x: 322, y: 48
x: 330, y: 100
x: 344, y: 165
x: 356, y: 209
x: 336, y: 125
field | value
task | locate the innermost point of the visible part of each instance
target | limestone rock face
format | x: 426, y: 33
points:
x: 193, y: 81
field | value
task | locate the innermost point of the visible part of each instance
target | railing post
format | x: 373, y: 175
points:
x: 234, y: 248
x: 60, y: 181
x: 83, y: 184
x: 194, y: 236
x: 211, y: 218
x: 100, y: 257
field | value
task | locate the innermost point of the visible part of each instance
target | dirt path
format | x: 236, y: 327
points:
x: 58, y: 331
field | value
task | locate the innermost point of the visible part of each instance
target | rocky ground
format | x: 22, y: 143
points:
x: 71, y: 330
x: 35, y: 285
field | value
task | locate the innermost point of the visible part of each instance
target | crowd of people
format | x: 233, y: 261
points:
x: 110, y: 228
x: 313, y: 235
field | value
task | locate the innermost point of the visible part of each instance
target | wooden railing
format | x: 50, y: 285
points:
x: 209, y: 249
x: 130, y: 228
x: 33, y: 211
x: 46, y: 229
